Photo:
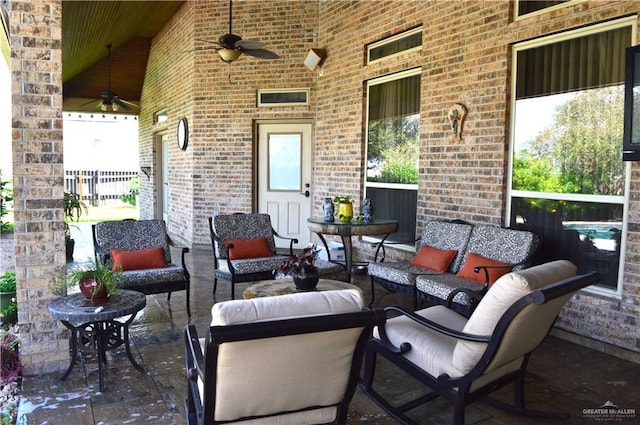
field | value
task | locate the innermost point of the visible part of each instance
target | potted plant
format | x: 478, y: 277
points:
x: 8, y: 303
x: 302, y: 268
x: 96, y: 281
x: 345, y: 208
x: 73, y: 209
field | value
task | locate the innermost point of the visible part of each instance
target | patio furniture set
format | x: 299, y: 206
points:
x: 462, y: 353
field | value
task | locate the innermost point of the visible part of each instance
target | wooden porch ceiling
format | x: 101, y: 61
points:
x: 87, y: 28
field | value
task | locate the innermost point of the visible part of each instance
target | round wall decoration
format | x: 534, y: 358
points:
x: 183, y: 133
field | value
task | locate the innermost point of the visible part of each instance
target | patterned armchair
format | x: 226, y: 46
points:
x: 244, y: 248
x: 135, y: 243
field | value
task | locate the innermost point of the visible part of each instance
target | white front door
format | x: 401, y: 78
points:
x: 284, y: 178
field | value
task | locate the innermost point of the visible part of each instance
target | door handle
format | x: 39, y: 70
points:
x: 306, y: 193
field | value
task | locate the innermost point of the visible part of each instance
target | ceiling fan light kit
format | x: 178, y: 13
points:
x: 231, y: 46
x: 229, y: 55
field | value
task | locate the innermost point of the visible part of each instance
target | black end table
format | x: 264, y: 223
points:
x: 95, y: 327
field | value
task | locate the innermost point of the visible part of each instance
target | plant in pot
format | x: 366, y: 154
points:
x: 96, y: 281
x: 8, y: 302
x: 302, y: 268
x: 345, y: 208
x: 73, y: 209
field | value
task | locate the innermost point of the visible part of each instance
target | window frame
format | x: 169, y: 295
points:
x: 518, y: 17
x: 400, y: 186
x: 613, y: 199
x: 393, y: 39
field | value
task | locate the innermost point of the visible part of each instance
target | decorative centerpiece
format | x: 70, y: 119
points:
x: 96, y: 281
x: 345, y: 208
x: 302, y: 269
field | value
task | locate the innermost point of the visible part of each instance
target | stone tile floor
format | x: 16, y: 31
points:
x: 563, y: 377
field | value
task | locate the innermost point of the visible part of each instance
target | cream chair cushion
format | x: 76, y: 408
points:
x: 504, y: 293
x: 286, y: 306
x: 265, y: 376
x: 430, y: 350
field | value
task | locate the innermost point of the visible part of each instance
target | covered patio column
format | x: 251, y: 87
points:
x: 38, y: 177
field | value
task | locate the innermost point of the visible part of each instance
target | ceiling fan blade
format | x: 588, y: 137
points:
x: 261, y: 53
x: 250, y: 44
x: 91, y: 101
x: 121, y: 104
x: 126, y: 102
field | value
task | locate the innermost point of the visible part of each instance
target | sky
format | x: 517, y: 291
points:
x: 100, y: 142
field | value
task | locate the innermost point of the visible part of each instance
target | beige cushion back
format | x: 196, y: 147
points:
x: 525, y: 330
x: 266, y: 376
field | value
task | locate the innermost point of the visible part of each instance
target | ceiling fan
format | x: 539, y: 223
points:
x: 109, y: 98
x: 231, y: 46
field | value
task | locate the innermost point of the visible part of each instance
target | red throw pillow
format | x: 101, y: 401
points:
x: 149, y: 258
x: 249, y: 248
x: 475, y: 260
x: 433, y: 258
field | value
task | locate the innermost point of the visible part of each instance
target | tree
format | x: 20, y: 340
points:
x: 581, y: 151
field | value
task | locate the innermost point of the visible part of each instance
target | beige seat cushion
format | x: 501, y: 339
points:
x: 430, y: 350
x: 504, y: 293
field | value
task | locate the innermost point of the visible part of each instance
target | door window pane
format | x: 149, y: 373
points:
x: 285, y: 156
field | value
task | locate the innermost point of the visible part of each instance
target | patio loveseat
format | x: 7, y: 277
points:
x: 455, y: 264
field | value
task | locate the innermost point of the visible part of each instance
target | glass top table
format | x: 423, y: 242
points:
x: 347, y: 230
x: 271, y: 288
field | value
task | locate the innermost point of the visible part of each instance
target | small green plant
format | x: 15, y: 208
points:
x: 73, y: 210
x: 342, y: 199
x: 6, y: 196
x: 8, y: 281
x: 134, y: 190
x: 9, y: 310
x: 103, y: 274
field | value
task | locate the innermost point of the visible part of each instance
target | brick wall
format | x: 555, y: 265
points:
x: 38, y: 177
x: 215, y: 173
x: 465, y: 59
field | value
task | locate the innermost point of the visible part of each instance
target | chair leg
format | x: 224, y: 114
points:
x: 188, y: 295
x: 168, y: 296
x: 215, y: 285
x: 233, y: 291
x: 373, y: 293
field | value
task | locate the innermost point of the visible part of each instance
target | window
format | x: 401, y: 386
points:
x: 568, y: 182
x: 283, y: 97
x: 393, y: 133
x: 400, y: 43
x: 525, y: 7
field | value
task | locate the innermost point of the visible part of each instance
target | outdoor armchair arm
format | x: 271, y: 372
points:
x: 291, y: 241
x: 405, y: 346
x: 381, y: 246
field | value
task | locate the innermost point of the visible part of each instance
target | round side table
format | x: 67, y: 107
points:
x: 95, y: 327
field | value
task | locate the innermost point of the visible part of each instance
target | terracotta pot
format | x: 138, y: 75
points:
x: 94, y: 293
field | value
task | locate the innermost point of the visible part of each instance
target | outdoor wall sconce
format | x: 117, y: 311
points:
x: 146, y: 171
x: 457, y: 112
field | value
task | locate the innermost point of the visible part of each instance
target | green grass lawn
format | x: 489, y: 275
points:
x: 110, y: 212
x: 94, y: 214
